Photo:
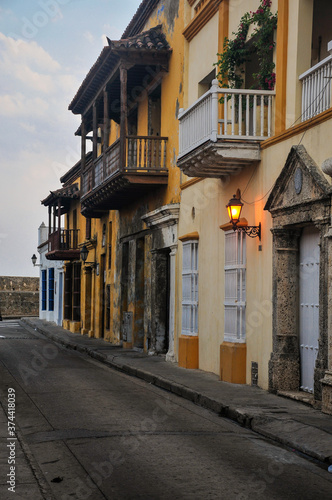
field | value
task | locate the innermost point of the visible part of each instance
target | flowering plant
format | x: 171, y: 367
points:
x: 236, y: 51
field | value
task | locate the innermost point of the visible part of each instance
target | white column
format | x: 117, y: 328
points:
x: 170, y: 354
x: 214, y: 110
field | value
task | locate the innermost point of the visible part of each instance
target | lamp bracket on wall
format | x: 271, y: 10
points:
x: 234, y: 207
x: 252, y: 231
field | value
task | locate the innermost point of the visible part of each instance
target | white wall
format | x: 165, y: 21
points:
x: 55, y: 316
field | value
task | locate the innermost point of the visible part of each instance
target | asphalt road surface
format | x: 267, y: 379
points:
x: 85, y: 431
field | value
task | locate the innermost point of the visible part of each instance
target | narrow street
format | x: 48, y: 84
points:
x: 89, y: 432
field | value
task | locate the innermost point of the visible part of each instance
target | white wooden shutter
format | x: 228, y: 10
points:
x: 190, y: 288
x: 235, y: 286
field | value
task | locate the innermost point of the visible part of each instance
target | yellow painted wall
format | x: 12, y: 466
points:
x: 299, y: 55
x: 171, y: 101
x: 171, y: 92
x: 203, y: 51
x: 210, y: 196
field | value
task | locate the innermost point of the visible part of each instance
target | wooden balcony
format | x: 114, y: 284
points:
x: 63, y: 245
x: 220, y: 133
x: 109, y: 183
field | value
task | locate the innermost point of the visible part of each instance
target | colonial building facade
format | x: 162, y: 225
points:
x: 129, y: 190
x: 51, y: 281
x: 260, y: 305
x: 156, y: 264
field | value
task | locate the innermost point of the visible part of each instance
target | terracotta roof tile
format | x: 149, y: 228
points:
x: 153, y: 39
x: 70, y: 193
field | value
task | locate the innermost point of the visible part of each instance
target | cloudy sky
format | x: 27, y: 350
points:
x: 46, y: 49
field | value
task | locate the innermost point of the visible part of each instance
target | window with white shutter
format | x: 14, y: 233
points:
x: 190, y: 288
x: 235, y: 286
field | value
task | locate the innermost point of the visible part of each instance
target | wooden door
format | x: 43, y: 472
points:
x: 309, y: 305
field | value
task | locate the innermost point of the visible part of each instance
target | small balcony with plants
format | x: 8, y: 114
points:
x: 221, y: 132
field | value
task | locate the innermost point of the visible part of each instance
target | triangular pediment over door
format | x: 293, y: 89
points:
x: 300, y: 182
x: 300, y: 206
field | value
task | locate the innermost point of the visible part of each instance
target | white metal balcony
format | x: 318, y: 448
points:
x: 220, y: 133
x: 316, y: 89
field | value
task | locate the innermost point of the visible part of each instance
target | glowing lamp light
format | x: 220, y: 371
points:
x: 234, y: 207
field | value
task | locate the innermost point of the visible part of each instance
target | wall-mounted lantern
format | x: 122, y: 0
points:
x: 84, y: 255
x: 234, y: 207
x: 34, y: 260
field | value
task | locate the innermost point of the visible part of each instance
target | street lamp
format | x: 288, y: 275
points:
x: 84, y: 255
x: 34, y: 260
x: 234, y: 207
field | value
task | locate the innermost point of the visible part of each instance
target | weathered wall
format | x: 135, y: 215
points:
x: 19, y: 296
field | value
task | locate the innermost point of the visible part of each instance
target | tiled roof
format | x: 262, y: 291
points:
x: 68, y: 193
x: 153, y: 39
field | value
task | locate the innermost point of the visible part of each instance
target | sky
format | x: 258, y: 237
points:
x: 46, y: 49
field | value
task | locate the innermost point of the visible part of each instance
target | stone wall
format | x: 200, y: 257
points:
x: 19, y: 296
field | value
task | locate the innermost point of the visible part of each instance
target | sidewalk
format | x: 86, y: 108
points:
x: 291, y: 423
x: 28, y: 481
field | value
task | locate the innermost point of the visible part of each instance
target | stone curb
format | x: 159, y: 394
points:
x: 259, y: 424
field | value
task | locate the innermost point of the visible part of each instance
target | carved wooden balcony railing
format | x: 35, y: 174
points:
x: 107, y: 181
x: 63, y: 245
x: 146, y: 153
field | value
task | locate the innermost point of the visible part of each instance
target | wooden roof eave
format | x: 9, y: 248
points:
x: 125, y: 56
x: 95, y: 96
x: 87, y: 92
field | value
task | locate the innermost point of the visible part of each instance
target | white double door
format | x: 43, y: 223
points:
x: 309, y: 305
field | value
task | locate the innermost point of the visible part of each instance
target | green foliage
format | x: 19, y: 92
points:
x: 236, y: 51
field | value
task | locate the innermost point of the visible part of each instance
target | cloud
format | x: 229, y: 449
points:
x: 17, y: 105
x: 27, y: 53
x: 31, y: 81
x: 29, y: 127
x: 37, y: 131
x: 89, y: 36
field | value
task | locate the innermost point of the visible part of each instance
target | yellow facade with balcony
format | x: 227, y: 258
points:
x: 129, y: 183
x: 163, y: 269
x: 241, y: 302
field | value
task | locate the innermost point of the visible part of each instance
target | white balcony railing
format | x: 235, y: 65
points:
x: 316, y: 89
x: 226, y: 114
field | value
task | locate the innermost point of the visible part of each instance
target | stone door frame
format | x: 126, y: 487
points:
x: 301, y: 197
x: 284, y: 365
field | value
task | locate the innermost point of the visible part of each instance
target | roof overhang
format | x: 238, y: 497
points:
x: 144, y: 55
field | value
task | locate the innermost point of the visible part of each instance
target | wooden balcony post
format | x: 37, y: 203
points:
x: 83, y: 149
x: 54, y: 215
x: 94, y: 125
x: 49, y: 220
x: 59, y: 215
x: 123, y: 117
x: 105, y: 130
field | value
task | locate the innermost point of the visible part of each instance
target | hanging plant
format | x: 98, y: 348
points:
x: 236, y: 52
